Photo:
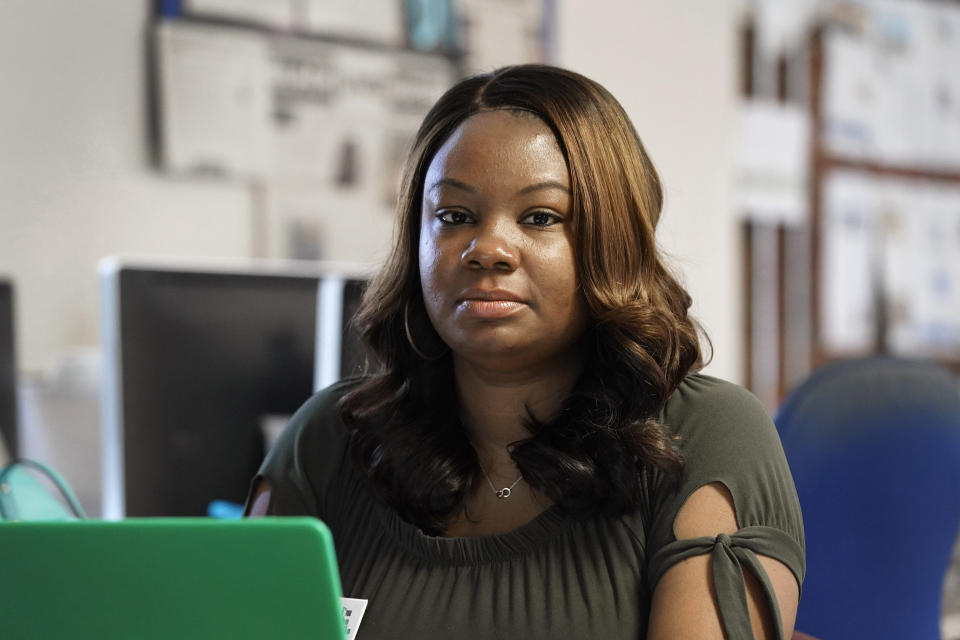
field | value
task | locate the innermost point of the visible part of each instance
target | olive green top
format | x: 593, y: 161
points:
x: 556, y: 576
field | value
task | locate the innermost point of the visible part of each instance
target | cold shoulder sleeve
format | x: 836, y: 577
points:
x: 727, y: 437
x: 305, y: 462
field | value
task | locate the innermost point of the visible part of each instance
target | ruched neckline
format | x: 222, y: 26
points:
x: 475, y: 550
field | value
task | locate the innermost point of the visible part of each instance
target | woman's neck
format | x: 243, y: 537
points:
x: 495, y: 404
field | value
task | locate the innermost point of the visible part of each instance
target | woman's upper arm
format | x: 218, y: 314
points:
x: 687, y: 598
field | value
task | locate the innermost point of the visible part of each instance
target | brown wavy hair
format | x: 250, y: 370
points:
x: 403, y: 413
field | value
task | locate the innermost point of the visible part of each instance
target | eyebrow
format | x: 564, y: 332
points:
x: 453, y: 182
x: 548, y: 184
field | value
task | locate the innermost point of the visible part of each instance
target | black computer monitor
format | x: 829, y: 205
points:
x: 196, y: 360
x: 8, y: 370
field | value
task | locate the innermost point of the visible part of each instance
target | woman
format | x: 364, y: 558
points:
x: 530, y: 454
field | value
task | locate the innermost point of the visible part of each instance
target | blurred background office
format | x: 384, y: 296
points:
x: 809, y: 150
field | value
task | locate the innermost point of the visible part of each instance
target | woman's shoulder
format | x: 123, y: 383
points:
x: 317, y: 426
x: 322, y: 406
x: 717, y: 422
x: 307, y: 458
x: 697, y: 389
x: 700, y: 398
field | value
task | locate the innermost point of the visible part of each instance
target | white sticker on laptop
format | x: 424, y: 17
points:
x: 353, y: 609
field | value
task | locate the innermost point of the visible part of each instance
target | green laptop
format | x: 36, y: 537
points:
x: 258, y: 578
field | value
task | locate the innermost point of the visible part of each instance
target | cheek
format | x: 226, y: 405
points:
x: 431, y: 270
x: 426, y: 252
x: 559, y: 271
x: 564, y: 287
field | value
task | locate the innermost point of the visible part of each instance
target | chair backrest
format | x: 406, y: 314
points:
x: 874, y: 447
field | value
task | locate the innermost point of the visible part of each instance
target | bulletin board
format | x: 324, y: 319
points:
x: 871, y: 264
x: 314, y: 103
x: 886, y: 221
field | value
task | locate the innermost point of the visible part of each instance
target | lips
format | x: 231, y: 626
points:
x: 489, y: 304
x: 490, y: 295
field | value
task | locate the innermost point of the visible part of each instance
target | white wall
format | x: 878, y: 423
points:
x: 74, y: 169
x: 76, y: 182
x: 673, y: 66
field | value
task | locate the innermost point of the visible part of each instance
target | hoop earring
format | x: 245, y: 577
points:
x: 413, y: 345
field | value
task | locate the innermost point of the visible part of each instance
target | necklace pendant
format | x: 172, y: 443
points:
x: 504, y: 493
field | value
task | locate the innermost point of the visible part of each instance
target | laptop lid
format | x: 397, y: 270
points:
x: 170, y: 578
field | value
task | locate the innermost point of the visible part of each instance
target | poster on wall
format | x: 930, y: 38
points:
x: 214, y: 100
x: 890, y: 266
x: 317, y: 112
x: 891, y: 93
x: 849, y: 264
x: 773, y: 163
x: 321, y: 128
x: 921, y: 267
x: 345, y: 118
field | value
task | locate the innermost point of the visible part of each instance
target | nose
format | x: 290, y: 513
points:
x: 491, y: 248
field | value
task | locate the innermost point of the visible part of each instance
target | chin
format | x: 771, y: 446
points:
x: 506, y: 356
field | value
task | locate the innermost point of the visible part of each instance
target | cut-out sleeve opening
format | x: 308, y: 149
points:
x: 258, y: 485
x: 707, y: 522
x: 730, y: 554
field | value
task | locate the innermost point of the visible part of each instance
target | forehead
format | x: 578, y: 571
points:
x: 500, y: 145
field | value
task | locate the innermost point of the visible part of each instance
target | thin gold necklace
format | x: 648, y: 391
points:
x: 500, y: 493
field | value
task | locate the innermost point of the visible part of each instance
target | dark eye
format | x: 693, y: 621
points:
x: 453, y: 217
x: 541, y: 219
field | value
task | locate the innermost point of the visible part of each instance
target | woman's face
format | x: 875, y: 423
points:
x: 496, y: 254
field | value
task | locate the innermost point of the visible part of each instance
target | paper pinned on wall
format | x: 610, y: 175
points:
x: 345, y: 117
x: 310, y: 87
x: 851, y: 99
x: 214, y: 99
x: 921, y: 254
x: 891, y: 93
x: 938, y: 300
x: 339, y: 109
x: 902, y: 81
x: 943, y: 60
x: 773, y: 163
x: 848, y: 264
x: 890, y: 261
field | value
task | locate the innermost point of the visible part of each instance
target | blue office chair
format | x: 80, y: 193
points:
x: 874, y: 446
